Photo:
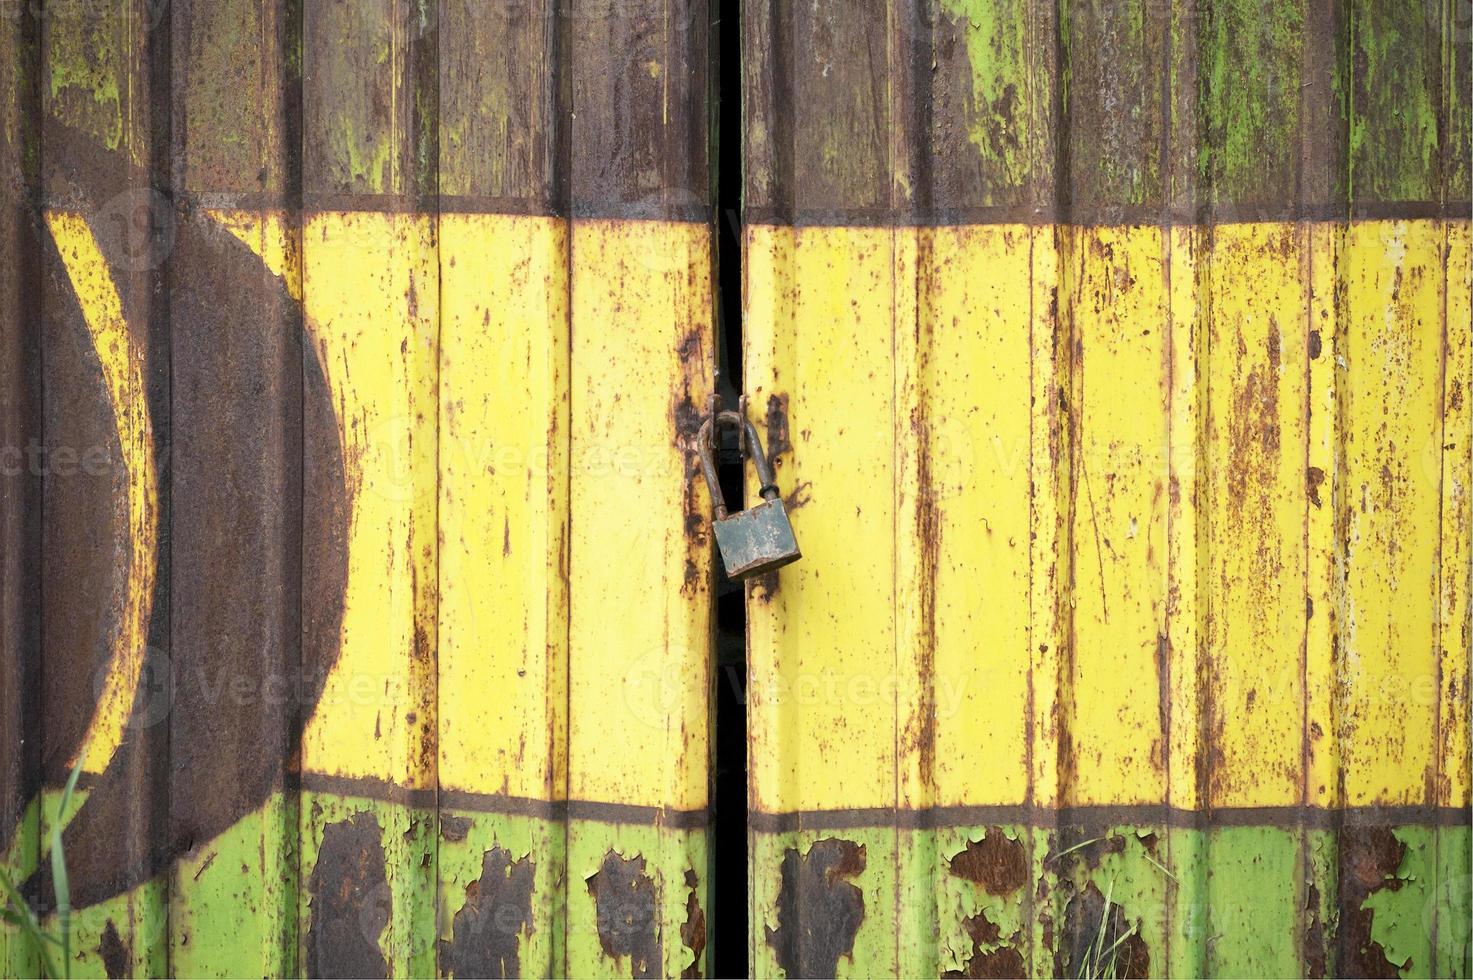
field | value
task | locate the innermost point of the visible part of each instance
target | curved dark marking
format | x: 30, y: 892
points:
x: 84, y: 566
x: 230, y: 497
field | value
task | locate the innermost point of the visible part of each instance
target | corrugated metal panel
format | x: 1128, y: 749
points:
x: 385, y: 617
x: 1117, y: 358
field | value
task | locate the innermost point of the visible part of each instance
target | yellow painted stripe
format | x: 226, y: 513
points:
x: 1155, y: 413
x: 1455, y: 625
x: 1115, y: 298
x: 1391, y: 508
x: 1185, y: 656
x: 963, y: 534
x: 503, y: 505
x: 1322, y: 487
x: 504, y: 493
x: 1257, y: 393
x: 121, y: 359
x: 371, y: 296
x: 819, y: 332
x: 639, y: 569
x: 1049, y: 357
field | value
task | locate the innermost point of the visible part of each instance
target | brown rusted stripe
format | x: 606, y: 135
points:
x: 1138, y: 815
x: 835, y: 217
x: 639, y: 132
x: 591, y: 810
x: 370, y: 122
x: 502, y: 107
x: 237, y: 91
x: 818, y: 78
x: 914, y: 113
x: 20, y: 419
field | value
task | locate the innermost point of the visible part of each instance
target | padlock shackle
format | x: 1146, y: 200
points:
x: 706, y: 446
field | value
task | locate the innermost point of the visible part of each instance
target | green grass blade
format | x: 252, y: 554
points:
x: 20, y: 910
x: 1164, y: 870
x: 58, y: 867
x: 1071, y: 850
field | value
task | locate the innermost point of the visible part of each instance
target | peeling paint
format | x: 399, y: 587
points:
x: 628, y: 921
x: 819, y: 908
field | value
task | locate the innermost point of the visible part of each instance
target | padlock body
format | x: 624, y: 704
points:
x: 756, y: 540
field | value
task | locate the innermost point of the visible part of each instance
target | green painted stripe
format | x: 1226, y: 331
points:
x: 1237, y: 901
x: 469, y: 893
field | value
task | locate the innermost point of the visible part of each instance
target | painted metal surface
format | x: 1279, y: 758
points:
x: 344, y: 332
x: 1118, y: 356
x: 1115, y: 362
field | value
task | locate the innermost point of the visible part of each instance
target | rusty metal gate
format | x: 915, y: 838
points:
x: 1114, y: 358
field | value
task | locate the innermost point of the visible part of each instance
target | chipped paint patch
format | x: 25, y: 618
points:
x: 819, y: 908
x: 628, y: 924
x: 997, y: 862
x: 693, y: 929
x: 488, y: 927
x: 347, y: 893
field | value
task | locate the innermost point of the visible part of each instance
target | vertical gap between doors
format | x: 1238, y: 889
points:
x: 728, y: 921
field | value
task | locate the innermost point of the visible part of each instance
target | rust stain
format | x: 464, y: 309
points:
x: 766, y: 585
x: 113, y: 952
x: 778, y: 441
x: 687, y: 419
x: 921, y: 728
x: 349, y: 914
x: 996, y: 862
x: 1369, y: 860
x: 819, y: 911
x: 498, y: 909
x: 1315, y: 478
x: 1253, y: 430
x: 454, y: 829
x: 1314, y: 936
x: 801, y: 496
x: 989, y: 959
x: 690, y: 348
x: 624, y: 896
x: 693, y: 930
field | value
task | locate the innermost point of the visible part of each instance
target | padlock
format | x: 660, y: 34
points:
x: 758, y: 539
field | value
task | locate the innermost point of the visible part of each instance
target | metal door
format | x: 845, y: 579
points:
x: 359, y: 342
x: 1114, y: 358
x: 1117, y: 356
